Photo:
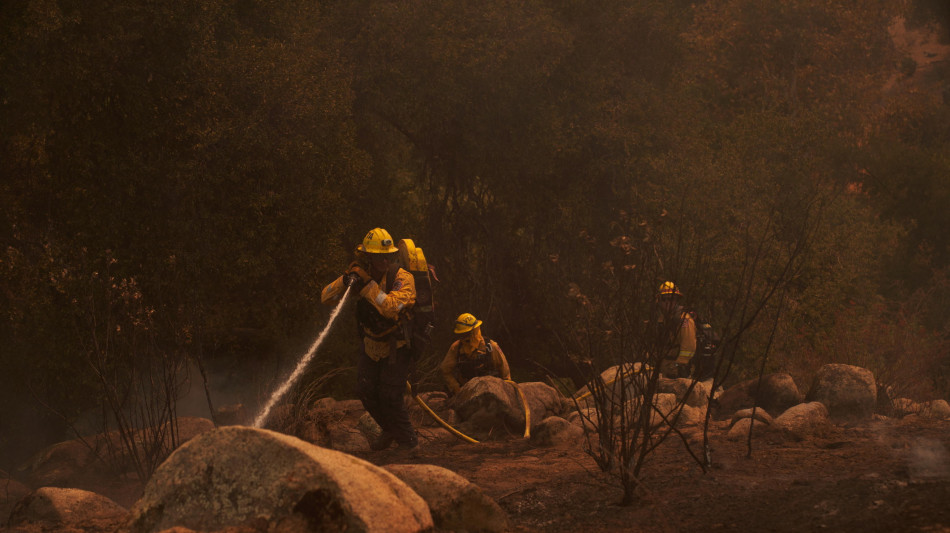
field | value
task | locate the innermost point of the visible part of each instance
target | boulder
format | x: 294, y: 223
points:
x: 587, y: 419
x: 259, y: 479
x: 675, y: 412
x: 803, y: 420
x: 938, y: 409
x: 350, y: 407
x: 346, y: 438
x: 326, y: 403
x: 487, y: 406
x: 58, y: 464
x: 617, y: 384
x: 691, y: 416
x: 556, y: 431
x: 456, y: 504
x: 849, y: 392
x: 543, y: 401
x: 778, y: 392
x: 740, y: 430
x: 760, y: 414
x: 59, y: 508
x: 694, y: 395
x: 665, y: 404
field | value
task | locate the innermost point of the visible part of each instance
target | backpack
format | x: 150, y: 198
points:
x: 421, y: 318
x: 707, y: 342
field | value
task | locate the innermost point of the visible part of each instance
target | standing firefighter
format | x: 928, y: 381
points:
x: 676, y: 362
x: 472, y: 355
x: 387, y: 294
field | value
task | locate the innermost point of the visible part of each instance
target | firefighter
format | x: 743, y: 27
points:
x: 387, y: 293
x: 472, y: 355
x: 676, y: 362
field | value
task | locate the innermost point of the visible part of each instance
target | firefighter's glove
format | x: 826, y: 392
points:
x: 351, y: 278
x: 356, y: 276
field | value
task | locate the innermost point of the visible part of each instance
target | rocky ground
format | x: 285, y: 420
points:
x: 891, y: 475
x: 878, y: 474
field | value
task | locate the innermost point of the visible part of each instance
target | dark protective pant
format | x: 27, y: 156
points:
x: 381, y: 385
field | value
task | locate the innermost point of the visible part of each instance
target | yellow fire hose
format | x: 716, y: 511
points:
x: 527, y: 411
x: 443, y: 423
x: 588, y: 393
x: 459, y: 434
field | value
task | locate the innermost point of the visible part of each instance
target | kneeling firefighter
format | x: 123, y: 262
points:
x: 472, y: 355
x: 387, y: 295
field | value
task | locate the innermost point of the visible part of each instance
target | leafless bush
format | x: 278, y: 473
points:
x: 137, y: 380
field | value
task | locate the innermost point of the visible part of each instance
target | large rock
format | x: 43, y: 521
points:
x: 803, y: 420
x: 587, y: 419
x: 259, y: 479
x: 692, y: 393
x: 331, y: 424
x: 556, y: 431
x: 59, y: 464
x: 620, y: 383
x: 58, y: 508
x: 778, y: 392
x: 759, y: 414
x: 849, y: 392
x: 346, y: 438
x: 691, y: 416
x: 665, y: 409
x: 456, y: 504
x: 938, y: 409
x: 741, y: 429
x: 543, y: 401
x: 487, y: 407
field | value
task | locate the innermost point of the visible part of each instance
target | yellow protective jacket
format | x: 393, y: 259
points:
x: 453, y: 358
x: 393, y: 305
x: 685, y: 346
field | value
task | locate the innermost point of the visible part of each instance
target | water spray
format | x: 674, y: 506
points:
x: 305, y: 360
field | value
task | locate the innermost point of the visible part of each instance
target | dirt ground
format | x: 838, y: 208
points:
x: 877, y: 476
x: 889, y: 475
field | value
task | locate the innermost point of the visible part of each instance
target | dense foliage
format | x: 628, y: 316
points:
x: 196, y: 172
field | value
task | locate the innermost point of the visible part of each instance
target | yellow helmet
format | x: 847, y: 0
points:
x: 466, y: 322
x: 378, y: 241
x: 668, y: 288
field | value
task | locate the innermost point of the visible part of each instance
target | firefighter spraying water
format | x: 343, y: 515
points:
x: 395, y: 313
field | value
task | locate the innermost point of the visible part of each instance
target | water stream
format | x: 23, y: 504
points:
x: 301, y: 366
